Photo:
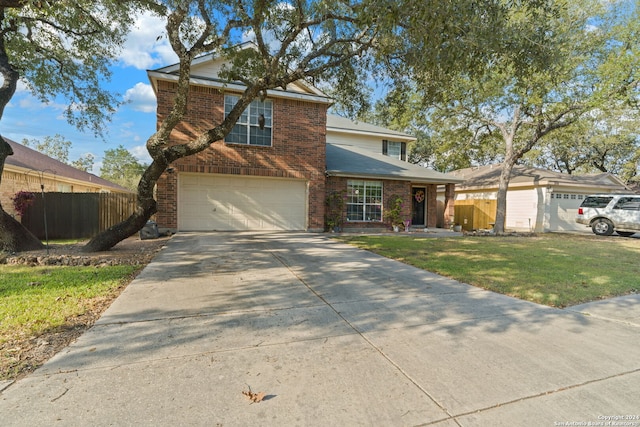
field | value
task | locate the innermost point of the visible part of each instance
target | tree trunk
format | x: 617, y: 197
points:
x: 501, y: 202
x: 108, y: 238
x: 13, y: 236
x: 145, y: 207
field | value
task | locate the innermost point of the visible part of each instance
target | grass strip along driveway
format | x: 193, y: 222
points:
x: 557, y: 270
x: 40, y: 303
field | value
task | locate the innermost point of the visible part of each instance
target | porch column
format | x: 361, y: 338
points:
x: 449, y: 203
x: 432, y: 205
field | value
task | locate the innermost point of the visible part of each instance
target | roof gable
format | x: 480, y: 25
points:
x: 205, y: 71
x: 487, y: 177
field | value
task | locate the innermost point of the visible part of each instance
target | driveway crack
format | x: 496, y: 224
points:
x: 364, y: 337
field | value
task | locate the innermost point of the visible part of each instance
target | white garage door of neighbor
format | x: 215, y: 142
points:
x: 226, y: 203
x: 563, y: 212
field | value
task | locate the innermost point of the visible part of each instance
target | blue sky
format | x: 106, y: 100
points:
x: 26, y: 117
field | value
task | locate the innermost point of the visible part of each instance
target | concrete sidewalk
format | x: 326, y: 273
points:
x: 334, y: 336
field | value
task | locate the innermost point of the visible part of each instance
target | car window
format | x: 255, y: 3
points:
x: 628, y: 204
x: 596, y: 202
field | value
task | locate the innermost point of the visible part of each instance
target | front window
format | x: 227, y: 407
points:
x: 364, y: 200
x: 253, y: 126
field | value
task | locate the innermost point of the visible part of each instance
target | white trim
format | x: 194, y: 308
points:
x: 394, y: 136
x: 237, y: 87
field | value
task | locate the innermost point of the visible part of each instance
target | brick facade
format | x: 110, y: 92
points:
x: 297, y: 150
x: 403, y: 189
x: 432, y: 205
x: 389, y: 188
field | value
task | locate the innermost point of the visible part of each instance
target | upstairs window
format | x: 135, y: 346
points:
x: 253, y: 126
x: 397, y: 150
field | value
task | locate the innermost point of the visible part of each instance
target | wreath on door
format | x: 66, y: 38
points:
x: 419, y: 196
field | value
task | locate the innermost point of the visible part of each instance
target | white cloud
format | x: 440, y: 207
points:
x: 22, y: 87
x: 97, y: 165
x: 26, y: 101
x: 146, y: 46
x: 141, y: 98
x: 140, y: 152
x: 29, y: 103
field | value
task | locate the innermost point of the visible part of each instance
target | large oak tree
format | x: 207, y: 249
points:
x: 60, y: 47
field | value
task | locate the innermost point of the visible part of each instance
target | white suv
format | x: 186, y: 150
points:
x: 606, y: 213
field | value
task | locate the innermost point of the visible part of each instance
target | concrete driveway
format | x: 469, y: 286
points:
x: 334, y: 336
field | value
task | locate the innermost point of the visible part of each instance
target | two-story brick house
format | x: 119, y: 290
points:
x: 283, y: 157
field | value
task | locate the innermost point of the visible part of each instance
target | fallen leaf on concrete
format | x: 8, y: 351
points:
x: 254, y: 397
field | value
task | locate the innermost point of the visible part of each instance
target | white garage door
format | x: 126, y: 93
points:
x: 564, y: 208
x: 224, y: 203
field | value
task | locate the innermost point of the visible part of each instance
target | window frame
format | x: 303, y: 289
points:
x: 403, y: 149
x: 597, y: 202
x: 370, y: 202
x: 247, y: 128
x: 392, y: 146
x: 629, y: 203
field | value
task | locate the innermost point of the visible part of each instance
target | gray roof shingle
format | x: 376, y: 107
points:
x: 488, y: 176
x: 342, y: 124
x: 351, y: 161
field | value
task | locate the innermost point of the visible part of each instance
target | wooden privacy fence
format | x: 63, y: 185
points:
x: 477, y: 214
x: 76, y: 215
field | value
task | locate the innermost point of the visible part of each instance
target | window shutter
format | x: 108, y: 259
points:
x: 384, y: 146
x: 403, y: 151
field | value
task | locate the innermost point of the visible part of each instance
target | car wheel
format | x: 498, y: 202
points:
x: 625, y: 233
x: 602, y: 227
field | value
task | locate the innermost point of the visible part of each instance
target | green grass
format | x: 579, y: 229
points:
x: 558, y: 270
x: 34, y: 300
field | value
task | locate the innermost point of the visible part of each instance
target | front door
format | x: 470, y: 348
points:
x: 418, y: 196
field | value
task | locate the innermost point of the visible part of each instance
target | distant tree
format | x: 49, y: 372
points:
x: 121, y: 167
x: 84, y: 163
x: 55, y: 147
x: 58, y: 148
x: 601, y: 141
x: 543, y: 78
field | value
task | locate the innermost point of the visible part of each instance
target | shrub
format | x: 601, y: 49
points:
x: 393, y: 213
x: 22, y: 200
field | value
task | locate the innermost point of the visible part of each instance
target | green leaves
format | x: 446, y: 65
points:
x: 64, y: 48
x: 121, y: 167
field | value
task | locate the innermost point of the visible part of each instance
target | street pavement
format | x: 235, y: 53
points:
x: 331, y: 336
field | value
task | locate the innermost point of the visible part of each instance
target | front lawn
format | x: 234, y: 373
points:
x: 558, y: 270
x: 37, y: 302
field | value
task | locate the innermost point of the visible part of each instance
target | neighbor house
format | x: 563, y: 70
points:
x: 282, y: 160
x: 538, y: 200
x: 31, y: 171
